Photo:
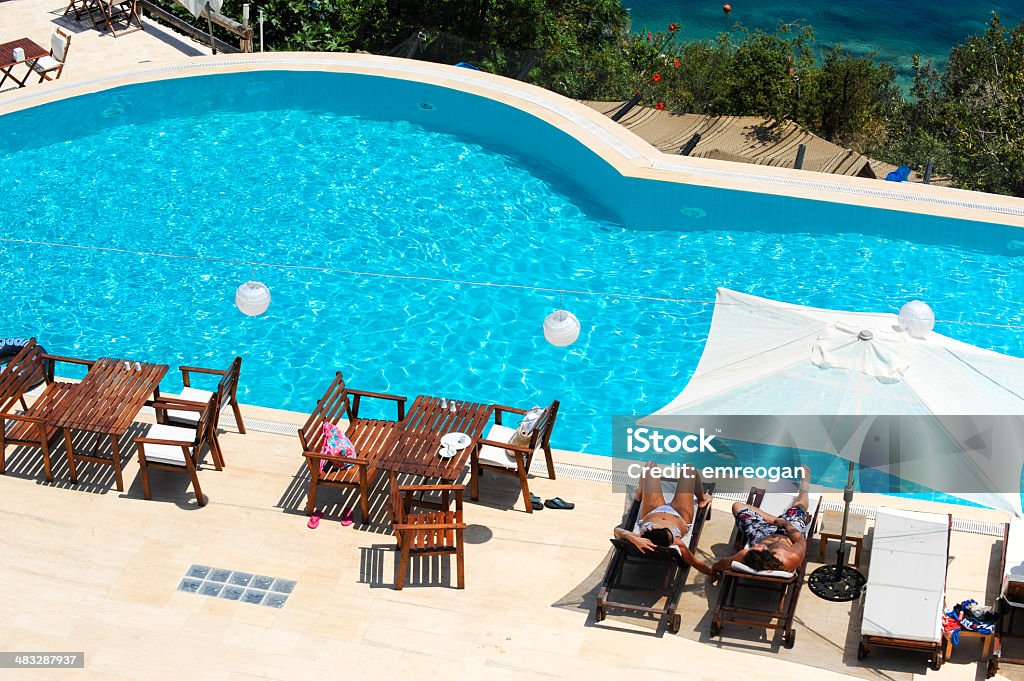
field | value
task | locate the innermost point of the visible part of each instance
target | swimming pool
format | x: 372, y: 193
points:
x: 446, y: 223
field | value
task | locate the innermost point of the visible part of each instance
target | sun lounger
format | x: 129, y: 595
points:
x: 739, y: 579
x: 1011, y: 593
x: 625, y: 555
x: 906, y: 589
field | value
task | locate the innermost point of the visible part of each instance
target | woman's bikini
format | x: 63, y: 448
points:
x: 646, y: 524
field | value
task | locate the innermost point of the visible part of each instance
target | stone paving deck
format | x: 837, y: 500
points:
x: 93, y: 53
x: 87, y: 568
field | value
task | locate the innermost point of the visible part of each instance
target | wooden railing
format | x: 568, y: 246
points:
x: 244, y: 33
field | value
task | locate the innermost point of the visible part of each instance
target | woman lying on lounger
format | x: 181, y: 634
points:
x: 665, y: 524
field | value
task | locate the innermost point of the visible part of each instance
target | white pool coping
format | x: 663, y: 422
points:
x: 630, y: 155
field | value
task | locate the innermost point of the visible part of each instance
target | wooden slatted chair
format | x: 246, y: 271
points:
x: 227, y: 388
x: 178, y: 448
x: 372, y: 438
x: 51, y: 66
x: 427, y: 533
x: 496, y: 453
x: 32, y: 427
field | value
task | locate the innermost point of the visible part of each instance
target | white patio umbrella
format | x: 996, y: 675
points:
x: 774, y: 359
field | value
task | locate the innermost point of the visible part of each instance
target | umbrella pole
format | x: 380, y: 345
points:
x: 839, y: 582
x: 209, y: 25
x: 847, y: 498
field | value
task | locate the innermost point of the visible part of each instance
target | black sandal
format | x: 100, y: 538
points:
x: 536, y: 503
x: 559, y: 503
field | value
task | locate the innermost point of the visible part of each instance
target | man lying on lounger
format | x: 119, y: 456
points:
x: 665, y: 524
x: 773, y: 543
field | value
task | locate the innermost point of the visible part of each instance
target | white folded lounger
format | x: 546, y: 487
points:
x: 906, y: 589
x: 1011, y: 596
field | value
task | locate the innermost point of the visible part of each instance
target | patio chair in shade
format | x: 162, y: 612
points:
x: 427, y: 533
x: 51, y: 66
x: 906, y: 589
x: 497, y: 452
x: 178, y: 448
x: 227, y: 388
x: 1011, y: 594
x: 628, y: 559
x: 740, y: 581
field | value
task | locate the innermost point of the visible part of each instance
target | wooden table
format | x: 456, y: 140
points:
x: 832, y: 528
x: 419, y: 439
x: 33, y: 52
x: 106, y: 402
x: 986, y: 644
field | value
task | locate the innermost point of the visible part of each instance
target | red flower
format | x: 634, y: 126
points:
x: 648, y: 36
x: 659, y: 106
x: 657, y: 77
x: 676, y: 63
x: 672, y: 28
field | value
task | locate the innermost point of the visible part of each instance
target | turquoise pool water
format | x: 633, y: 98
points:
x: 214, y: 168
x: 895, y: 31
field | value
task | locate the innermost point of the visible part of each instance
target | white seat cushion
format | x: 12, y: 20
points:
x: 907, y: 578
x: 192, y: 395
x: 45, y: 64
x: 494, y: 455
x: 169, y: 454
x: 1013, y: 571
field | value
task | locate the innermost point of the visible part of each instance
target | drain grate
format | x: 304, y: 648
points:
x: 236, y: 585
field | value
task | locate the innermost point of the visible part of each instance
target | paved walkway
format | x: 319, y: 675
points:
x: 89, y: 569
x: 93, y: 53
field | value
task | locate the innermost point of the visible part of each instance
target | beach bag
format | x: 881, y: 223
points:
x: 336, y: 443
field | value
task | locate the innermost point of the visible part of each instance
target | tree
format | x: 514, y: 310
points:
x: 851, y: 96
x: 981, y: 110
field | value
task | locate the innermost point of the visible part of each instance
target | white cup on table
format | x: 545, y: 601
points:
x: 19, y: 54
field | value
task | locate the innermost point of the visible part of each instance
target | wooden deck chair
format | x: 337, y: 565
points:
x: 906, y: 590
x: 227, y: 389
x: 51, y: 66
x: 626, y: 558
x: 740, y: 581
x: 113, y: 12
x: 178, y: 448
x: 372, y: 438
x: 495, y: 452
x: 1011, y: 594
x: 80, y: 8
x: 32, y: 425
x: 427, y: 533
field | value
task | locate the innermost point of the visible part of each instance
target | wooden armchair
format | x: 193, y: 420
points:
x: 227, y: 388
x: 371, y: 437
x: 427, y: 533
x: 496, y: 453
x: 51, y: 66
x: 33, y: 426
x: 179, y: 448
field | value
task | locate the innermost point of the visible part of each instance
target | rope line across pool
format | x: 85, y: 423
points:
x: 413, y: 277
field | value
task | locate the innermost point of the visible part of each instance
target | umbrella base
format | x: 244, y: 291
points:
x: 836, y: 584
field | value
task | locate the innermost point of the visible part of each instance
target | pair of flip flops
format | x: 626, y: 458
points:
x: 556, y: 503
x: 314, y: 520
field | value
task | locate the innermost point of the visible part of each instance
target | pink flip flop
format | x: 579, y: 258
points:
x: 314, y: 520
x: 346, y: 518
